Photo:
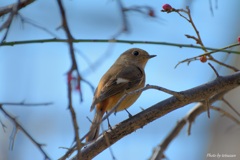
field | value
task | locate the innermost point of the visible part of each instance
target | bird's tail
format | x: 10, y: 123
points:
x: 94, y: 129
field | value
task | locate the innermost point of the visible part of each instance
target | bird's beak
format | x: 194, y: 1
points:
x: 151, y: 56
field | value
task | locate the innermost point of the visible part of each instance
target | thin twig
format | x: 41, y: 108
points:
x: 19, y: 126
x: 21, y: 4
x: 223, y: 64
x: 176, y: 94
x: 34, y: 24
x: 227, y: 114
x: 12, y: 43
x: 208, y: 53
x: 220, y: 49
x: 6, y: 25
x: 73, y: 68
x: 13, y: 136
x: 25, y: 104
x: 109, y: 145
x: 207, y: 105
x: 125, y: 27
x: 198, y: 40
x: 158, y: 152
x: 195, y: 29
x: 189, y: 19
x: 230, y: 106
x: 215, y: 71
x: 3, y: 126
x: 211, y: 7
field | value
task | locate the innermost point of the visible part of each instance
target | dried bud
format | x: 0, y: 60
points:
x: 167, y: 7
x: 151, y: 13
x: 203, y: 59
x: 69, y: 77
x: 77, y: 87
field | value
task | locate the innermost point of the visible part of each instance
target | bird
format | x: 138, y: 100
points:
x: 124, y: 76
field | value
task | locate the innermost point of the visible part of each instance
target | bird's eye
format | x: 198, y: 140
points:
x: 135, y: 53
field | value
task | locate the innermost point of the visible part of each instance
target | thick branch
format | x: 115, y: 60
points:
x: 199, y: 108
x: 160, y: 109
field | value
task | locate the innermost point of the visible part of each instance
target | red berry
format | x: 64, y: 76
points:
x: 239, y: 39
x: 167, y: 7
x: 203, y: 59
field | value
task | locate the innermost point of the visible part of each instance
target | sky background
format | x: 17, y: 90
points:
x: 36, y: 73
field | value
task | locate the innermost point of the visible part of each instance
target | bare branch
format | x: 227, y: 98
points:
x: 215, y: 71
x: 54, y: 40
x: 190, y: 118
x: 209, y: 53
x: 223, y: 64
x: 21, y: 4
x: 19, y: 126
x: 6, y: 25
x: 211, y: 7
x: 3, y: 126
x: 198, y: 39
x: 13, y: 136
x: 109, y: 146
x: 220, y: 49
x: 73, y: 68
x: 227, y: 114
x: 125, y: 27
x: 34, y: 24
x: 158, y: 152
x: 176, y: 94
x: 202, y: 92
x: 207, y: 105
x: 230, y: 106
x: 26, y: 104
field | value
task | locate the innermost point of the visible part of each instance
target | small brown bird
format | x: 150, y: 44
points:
x: 125, y: 75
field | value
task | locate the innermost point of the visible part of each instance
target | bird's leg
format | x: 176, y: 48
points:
x: 109, y: 126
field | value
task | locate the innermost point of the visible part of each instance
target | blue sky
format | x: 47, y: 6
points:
x: 36, y: 73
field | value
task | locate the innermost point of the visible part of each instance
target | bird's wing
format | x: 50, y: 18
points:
x: 124, y: 80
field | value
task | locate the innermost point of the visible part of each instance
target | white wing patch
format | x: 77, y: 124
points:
x: 121, y: 80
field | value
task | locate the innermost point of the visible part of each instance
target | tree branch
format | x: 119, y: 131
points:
x: 158, y: 152
x: 73, y: 68
x: 54, y: 40
x: 197, y: 94
x: 20, y: 127
x: 21, y: 4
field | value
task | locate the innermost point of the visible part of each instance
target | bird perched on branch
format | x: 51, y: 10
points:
x: 124, y: 76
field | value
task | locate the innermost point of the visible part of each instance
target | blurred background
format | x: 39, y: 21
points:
x: 36, y: 73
